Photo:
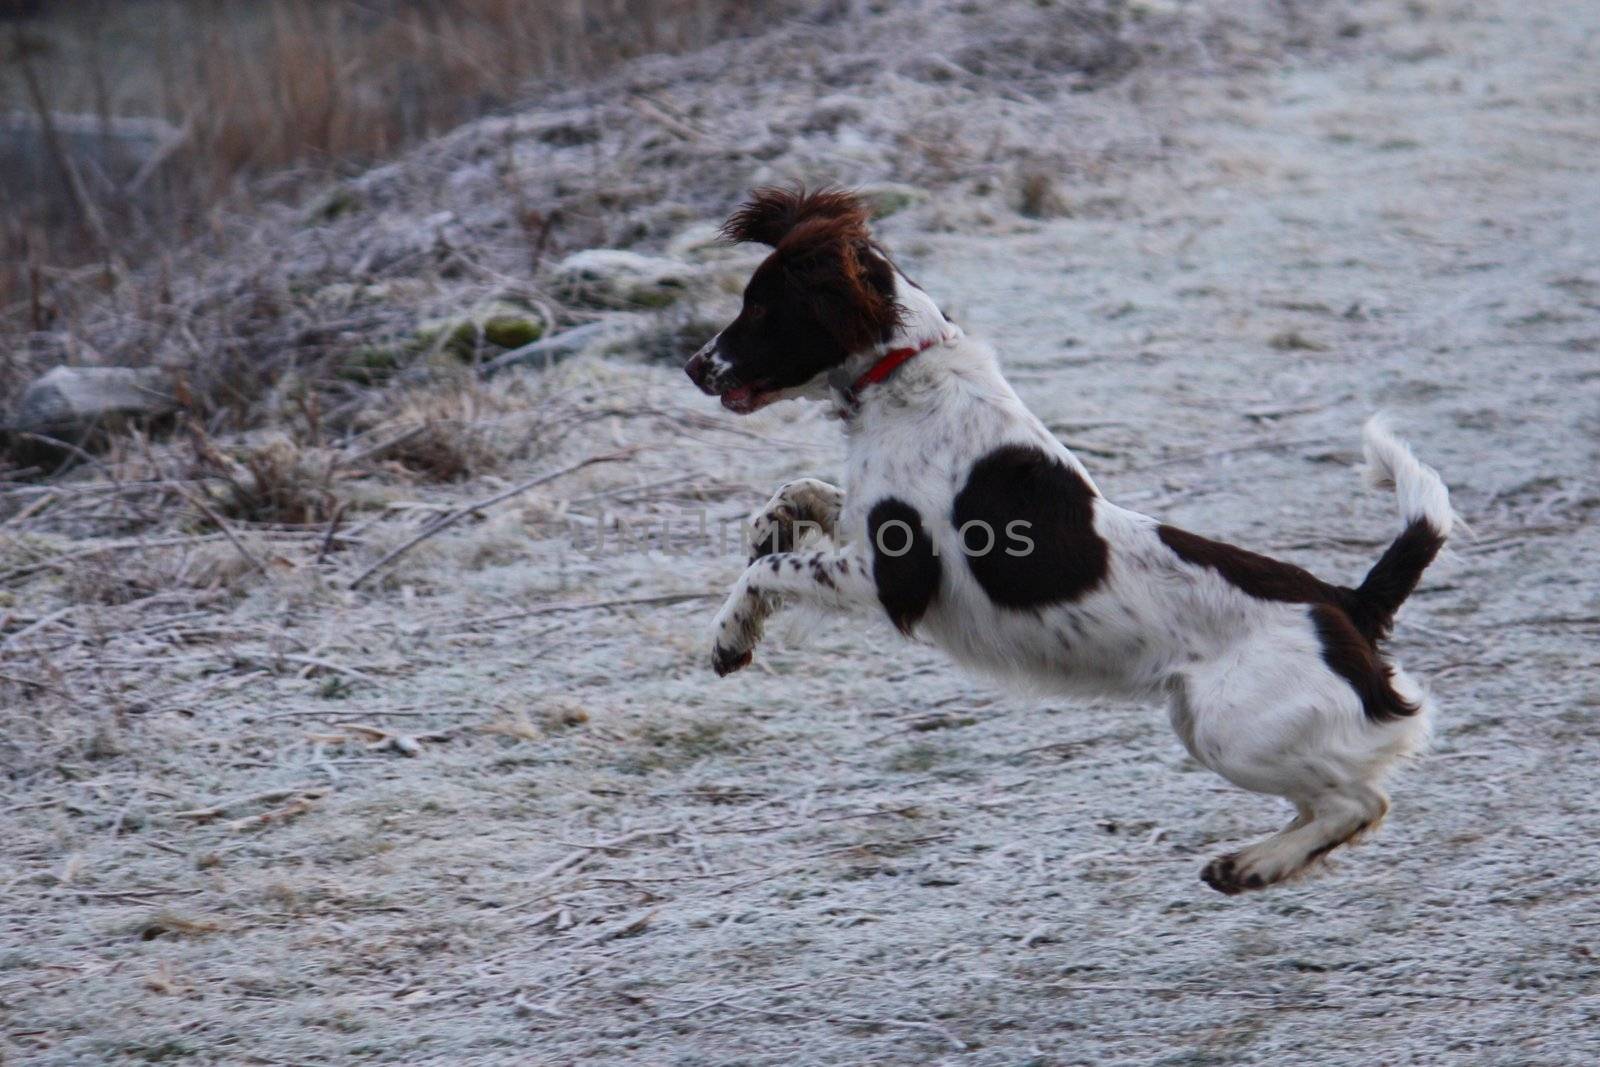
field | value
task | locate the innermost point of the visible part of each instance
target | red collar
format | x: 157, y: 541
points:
x: 887, y: 365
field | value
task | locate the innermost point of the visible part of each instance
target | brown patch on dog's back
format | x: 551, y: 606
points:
x: 1260, y: 576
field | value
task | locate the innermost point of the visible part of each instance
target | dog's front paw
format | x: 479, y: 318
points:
x: 778, y: 527
x: 736, y: 631
x: 797, y: 510
x: 727, y: 660
x: 772, y: 530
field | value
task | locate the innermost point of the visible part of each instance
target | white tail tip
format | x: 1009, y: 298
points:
x: 1420, y: 491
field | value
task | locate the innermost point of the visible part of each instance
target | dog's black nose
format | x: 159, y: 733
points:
x: 699, y: 369
x: 696, y: 367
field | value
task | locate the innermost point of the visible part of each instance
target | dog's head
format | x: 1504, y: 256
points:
x: 824, y: 294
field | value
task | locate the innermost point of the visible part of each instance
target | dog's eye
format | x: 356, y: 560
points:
x: 757, y: 312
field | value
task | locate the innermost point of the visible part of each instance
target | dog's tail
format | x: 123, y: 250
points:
x: 1425, y: 509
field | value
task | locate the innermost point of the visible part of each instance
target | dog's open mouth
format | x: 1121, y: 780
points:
x: 743, y: 399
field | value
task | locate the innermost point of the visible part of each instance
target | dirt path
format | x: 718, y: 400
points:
x: 857, y: 854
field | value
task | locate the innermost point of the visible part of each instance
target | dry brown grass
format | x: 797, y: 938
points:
x: 284, y: 315
x: 294, y: 89
x: 315, y: 81
x: 447, y: 435
x: 272, y: 481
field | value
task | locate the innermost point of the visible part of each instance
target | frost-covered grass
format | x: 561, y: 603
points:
x: 217, y: 848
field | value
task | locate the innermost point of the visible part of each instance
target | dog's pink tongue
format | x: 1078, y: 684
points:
x: 740, y: 399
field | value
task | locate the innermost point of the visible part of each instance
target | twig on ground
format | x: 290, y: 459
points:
x: 295, y: 808
x: 572, y: 859
x: 57, y: 562
x: 384, y: 446
x: 318, y: 713
x: 597, y: 605
x: 379, y: 738
x: 450, y: 519
x: 28, y: 512
x: 906, y: 809
x: 220, y: 523
x: 35, y: 684
x: 221, y: 807
x: 1204, y: 455
x: 333, y: 529
x: 15, y: 640
x: 626, y: 928
x: 1433, y: 631
x: 329, y: 665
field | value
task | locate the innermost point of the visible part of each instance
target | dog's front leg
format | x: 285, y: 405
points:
x: 780, y: 523
x: 841, y: 578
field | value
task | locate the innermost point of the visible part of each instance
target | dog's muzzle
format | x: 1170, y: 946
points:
x: 712, y: 376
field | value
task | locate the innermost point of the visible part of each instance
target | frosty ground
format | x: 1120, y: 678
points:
x: 854, y: 853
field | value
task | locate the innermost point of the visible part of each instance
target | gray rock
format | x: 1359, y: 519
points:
x: 71, y: 400
x: 610, y: 277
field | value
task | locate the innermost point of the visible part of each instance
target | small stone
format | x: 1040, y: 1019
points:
x: 1295, y: 341
x: 71, y: 400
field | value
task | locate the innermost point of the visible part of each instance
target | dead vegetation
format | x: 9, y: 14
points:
x: 194, y: 105
x: 300, y: 291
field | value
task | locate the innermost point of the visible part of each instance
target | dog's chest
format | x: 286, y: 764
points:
x: 923, y: 478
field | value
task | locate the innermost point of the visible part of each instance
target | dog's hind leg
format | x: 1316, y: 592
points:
x: 1331, y: 820
x: 1274, y: 719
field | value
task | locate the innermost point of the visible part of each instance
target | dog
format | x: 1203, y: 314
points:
x: 971, y: 526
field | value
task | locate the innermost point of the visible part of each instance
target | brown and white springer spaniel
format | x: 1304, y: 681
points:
x: 970, y: 525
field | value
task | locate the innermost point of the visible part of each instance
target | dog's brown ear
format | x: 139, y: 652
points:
x: 833, y: 264
x: 772, y: 212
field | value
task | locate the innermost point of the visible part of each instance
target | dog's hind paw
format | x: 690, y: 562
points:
x: 1227, y: 875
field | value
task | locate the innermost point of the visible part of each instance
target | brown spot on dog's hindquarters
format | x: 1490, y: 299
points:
x: 1349, y: 654
x: 1349, y: 647
x: 1250, y: 572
